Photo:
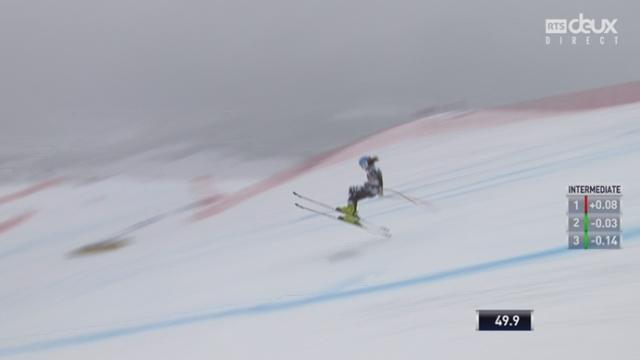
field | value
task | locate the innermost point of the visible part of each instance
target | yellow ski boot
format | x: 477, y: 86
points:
x: 350, y: 214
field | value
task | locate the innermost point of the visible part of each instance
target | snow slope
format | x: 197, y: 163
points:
x: 263, y: 279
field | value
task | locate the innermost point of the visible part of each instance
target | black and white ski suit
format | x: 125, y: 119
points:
x: 371, y: 188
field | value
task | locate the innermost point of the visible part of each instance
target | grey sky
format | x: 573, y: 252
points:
x: 248, y: 74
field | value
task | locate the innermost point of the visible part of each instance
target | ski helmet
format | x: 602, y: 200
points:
x: 364, y: 162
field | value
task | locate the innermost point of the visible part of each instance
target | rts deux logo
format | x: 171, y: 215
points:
x: 581, y: 30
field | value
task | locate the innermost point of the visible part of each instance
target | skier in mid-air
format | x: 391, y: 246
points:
x: 371, y: 188
x: 349, y: 214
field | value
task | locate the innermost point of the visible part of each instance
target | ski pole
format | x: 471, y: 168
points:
x: 411, y: 199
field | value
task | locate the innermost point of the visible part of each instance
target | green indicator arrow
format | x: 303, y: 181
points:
x: 586, y: 231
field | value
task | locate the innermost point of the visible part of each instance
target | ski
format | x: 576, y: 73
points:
x: 370, y: 228
x: 327, y: 206
x: 333, y: 209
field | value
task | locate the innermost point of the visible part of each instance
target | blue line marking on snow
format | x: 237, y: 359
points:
x: 275, y: 306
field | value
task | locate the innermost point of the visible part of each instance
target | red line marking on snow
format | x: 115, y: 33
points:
x: 29, y: 191
x: 203, y: 189
x: 569, y: 103
x: 15, y: 221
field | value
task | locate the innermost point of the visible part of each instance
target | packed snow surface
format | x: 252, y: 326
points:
x: 265, y: 280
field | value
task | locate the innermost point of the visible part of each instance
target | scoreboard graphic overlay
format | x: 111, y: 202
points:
x: 594, y: 214
x: 504, y: 320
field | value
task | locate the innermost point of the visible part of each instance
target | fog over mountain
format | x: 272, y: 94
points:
x: 83, y: 80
